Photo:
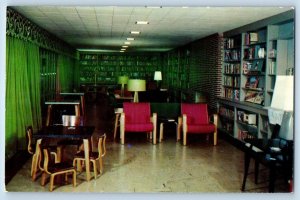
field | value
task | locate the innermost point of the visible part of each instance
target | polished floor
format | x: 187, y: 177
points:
x: 168, y: 167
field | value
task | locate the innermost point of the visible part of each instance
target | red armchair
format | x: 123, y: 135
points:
x: 195, y: 120
x: 136, y: 117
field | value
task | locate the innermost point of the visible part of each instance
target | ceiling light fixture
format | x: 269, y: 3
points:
x: 135, y: 32
x: 123, y: 49
x: 130, y: 39
x: 153, y: 6
x: 126, y: 42
x: 142, y: 22
x: 124, y: 46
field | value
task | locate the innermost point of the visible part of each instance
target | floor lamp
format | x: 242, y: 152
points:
x: 136, y: 85
x: 122, y: 80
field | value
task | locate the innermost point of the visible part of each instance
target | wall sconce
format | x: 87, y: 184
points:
x: 136, y: 85
x: 122, y: 80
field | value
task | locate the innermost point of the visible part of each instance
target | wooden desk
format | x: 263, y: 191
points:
x: 65, y: 132
x: 52, y: 103
x: 76, y: 94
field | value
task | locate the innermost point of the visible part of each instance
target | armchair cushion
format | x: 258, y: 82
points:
x: 196, y: 113
x: 201, y: 128
x: 139, y: 127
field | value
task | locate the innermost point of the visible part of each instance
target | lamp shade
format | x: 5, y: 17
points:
x: 122, y: 80
x: 136, y: 85
x: 157, y: 76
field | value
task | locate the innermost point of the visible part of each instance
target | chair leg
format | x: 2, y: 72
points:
x: 74, y: 178
x: 95, y: 168
x: 51, y: 182
x: 101, y: 165
x: 43, y: 179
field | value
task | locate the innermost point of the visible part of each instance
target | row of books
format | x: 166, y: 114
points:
x: 255, y: 37
x: 232, y: 43
x: 272, y: 67
x: 256, y: 67
x: 229, y: 113
x: 230, y: 68
x: 231, y: 81
x: 255, y: 52
x: 242, y: 135
x: 231, y: 93
x: 233, y: 55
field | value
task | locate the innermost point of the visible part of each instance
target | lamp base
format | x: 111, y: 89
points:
x: 136, y: 97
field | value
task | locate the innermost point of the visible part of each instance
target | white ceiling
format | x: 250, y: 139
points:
x: 107, y: 27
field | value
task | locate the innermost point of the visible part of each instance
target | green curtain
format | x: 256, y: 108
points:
x: 66, y: 68
x: 22, y: 92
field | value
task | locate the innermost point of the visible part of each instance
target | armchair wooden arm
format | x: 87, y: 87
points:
x: 122, y: 128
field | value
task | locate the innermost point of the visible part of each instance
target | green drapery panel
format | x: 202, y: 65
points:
x: 22, y: 92
x: 66, y: 68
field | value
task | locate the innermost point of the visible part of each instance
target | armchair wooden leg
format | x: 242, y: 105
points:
x: 122, y: 137
x: 95, y: 168
x: 154, y: 137
x: 215, y: 138
x: 161, y: 132
x: 184, y: 138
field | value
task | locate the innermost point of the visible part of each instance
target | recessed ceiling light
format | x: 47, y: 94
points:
x: 130, y: 39
x: 153, y: 6
x: 126, y: 42
x: 142, y: 22
x: 135, y: 32
x: 123, y: 49
x: 124, y: 46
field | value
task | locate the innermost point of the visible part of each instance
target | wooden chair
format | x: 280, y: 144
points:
x: 54, y: 169
x: 195, y: 120
x: 136, y: 117
x: 94, y: 156
x: 31, y: 150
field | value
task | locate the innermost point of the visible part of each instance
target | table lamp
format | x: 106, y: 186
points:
x: 157, y: 77
x: 281, y: 111
x: 136, y: 85
x: 122, y: 80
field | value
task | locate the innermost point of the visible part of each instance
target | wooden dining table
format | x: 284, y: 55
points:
x: 65, y: 132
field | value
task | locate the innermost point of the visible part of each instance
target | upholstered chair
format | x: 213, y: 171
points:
x: 136, y: 117
x: 195, y: 120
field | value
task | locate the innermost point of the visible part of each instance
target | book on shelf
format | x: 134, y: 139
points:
x: 243, y: 134
x: 252, y: 82
x: 254, y: 97
x: 272, y: 67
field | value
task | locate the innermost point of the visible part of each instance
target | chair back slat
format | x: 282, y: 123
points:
x: 137, y: 113
x: 196, y: 113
